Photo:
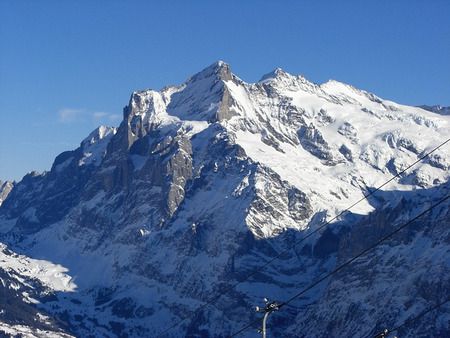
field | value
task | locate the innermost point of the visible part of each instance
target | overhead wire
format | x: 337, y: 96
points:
x: 270, y: 261
x: 410, y: 320
x: 351, y: 260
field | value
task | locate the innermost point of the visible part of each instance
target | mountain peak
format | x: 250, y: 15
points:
x: 98, y: 134
x: 218, y: 70
x: 274, y: 74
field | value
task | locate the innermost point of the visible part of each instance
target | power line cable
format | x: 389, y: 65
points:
x: 410, y: 320
x: 405, y: 323
x: 351, y: 260
x: 245, y: 327
x: 270, y: 261
x: 366, y: 250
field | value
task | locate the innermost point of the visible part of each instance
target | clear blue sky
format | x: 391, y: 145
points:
x: 68, y: 66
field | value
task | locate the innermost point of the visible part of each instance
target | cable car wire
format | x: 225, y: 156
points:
x: 410, y: 320
x: 351, y: 260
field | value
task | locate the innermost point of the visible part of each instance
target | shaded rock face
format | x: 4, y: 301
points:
x: 206, y: 182
x: 42, y: 199
x: 396, y: 281
x: 437, y: 109
x: 276, y: 203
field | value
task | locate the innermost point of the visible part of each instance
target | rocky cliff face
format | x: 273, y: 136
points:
x: 5, y: 189
x: 204, y: 182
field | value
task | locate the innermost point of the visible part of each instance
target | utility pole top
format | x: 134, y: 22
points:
x: 267, y: 310
x: 382, y: 334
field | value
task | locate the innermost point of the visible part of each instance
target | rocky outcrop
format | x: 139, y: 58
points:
x: 312, y: 140
x: 5, y: 189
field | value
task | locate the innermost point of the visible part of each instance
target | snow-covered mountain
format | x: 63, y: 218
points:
x: 205, y: 182
x: 437, y: 109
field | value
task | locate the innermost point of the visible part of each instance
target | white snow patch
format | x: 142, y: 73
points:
x: 52, y: 275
